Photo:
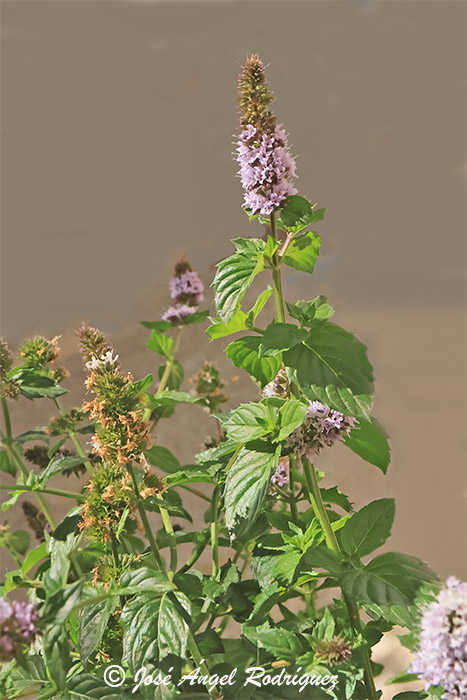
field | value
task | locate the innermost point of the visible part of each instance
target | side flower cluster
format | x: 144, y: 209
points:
x: 186, y: 290
x: 266, y: 165
x: 17, y: 627
x: 322, y: 427
x: 281, y: 476
x: 441, y: 659
x: 208, y: 385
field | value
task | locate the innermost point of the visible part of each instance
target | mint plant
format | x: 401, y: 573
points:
x: 115, y: 610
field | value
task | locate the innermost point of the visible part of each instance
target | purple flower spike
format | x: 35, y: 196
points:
x: 442, y: 656
x: 178, y: 314
x: 265, y: 168
x: 282, y: 474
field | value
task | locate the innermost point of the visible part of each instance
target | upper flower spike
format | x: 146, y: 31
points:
x: 266, y: 164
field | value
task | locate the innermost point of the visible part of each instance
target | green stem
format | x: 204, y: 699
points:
x: 199, y: 661
x: 276, y: 276
x: 6, y: 415
x: 214, y: 535
x: 75, y: 441
x: 169, y: 363
x: 316, y: 501
x: 197, y: 552
x: 144, y: 520
x: 195, y: 492
x: 172, y: 541
x: 42, y: 503
x: 293, y: 502
x: 53, y: 492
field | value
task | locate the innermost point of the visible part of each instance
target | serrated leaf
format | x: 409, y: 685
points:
x: 343, y: 400
x: 281, y: 643
x: 92, y: 621
x: 297, y: 214
x: 390, y: 579
x: 246, y: 487
x: 322, y: 557
x: 235, y: 274
x: 369, y: 528
x: 219, y: 329
x: 244, y: 353
x: 369, y: 440
x: 154, y: 628
x: 160, y: 343
x: 303, y: 252
x: 248, y: 422
x: 331, y: 356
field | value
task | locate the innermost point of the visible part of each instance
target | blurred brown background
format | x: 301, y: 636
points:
x: 117, y: 121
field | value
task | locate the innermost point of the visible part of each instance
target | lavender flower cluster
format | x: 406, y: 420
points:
x: 186, y: 289
x: 442, y: 656
x: 17, y: 627
x: 321, y: 427
x: 265, y: 168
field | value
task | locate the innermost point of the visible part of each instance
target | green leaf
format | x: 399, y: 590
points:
x: 235, y: 274
x: 343, y: 400
x: 160, y: 326
x: 6, y: 465
x: 244, y: 353
x: 154, y: 628
x: 20, y: 541
x: 140, y: 386
x: 282, y: 336
x: 196, y: 317
x: 404, y: 677
x: 291, y: 415
x: 142, y: 579
x: 56, y: 654
x: 369, y: 440
x: 160, y: 343
x: 190, y: 474
x: 88, y: 686
x: 236, y: 323
x: 163, y: 458
x: 36, y: 386
x: 33, y: 557
x: 303, y: 252
x: 276, y: 640
x: 331, y: 356
x: 390, y: 579
x: 306, y: 311
x: 240, y: 321
x: 333, y: 495
x: 246, y: 487
x: 368, y: 529
x: 58, y: 465
x: 92, y: 621
x: 297, y: 214
x: 322, y: 557
x: 249, y: 421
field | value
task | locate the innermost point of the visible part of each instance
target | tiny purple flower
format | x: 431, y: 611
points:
x: 322, y: 427
x: 178, y: 314
x: 282, y: 474
x: 17, y: 627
